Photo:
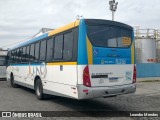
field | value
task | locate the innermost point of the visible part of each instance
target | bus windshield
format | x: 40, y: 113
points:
x: 109, y: 36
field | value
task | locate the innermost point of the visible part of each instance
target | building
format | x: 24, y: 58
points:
x: 3, y: 62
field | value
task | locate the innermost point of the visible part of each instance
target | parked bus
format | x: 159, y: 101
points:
x: 88, y: 58
x: 3, y: 62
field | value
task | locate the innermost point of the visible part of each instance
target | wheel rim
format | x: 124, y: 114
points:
x: 38, y: 90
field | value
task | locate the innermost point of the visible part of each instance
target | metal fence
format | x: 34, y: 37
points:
x: 148, y: 70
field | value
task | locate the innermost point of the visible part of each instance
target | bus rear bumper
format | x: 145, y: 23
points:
x: 95, y: 92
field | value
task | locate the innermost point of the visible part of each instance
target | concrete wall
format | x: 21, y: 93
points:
x: 148, y: 70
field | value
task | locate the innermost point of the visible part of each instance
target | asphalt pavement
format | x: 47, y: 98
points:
x: 146, y: 98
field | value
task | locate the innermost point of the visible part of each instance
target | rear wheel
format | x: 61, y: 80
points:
x: 13, y: 84
x: 39, y: 90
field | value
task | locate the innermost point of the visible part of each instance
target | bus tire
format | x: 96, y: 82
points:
x: 13, y: 84
x: 39, y: 89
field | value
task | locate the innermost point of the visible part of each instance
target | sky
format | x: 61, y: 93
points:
x: 22, y: 19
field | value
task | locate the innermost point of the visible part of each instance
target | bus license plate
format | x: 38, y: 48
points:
x: 113, y: 79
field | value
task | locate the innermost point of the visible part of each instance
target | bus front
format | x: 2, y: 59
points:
x: 106, y: 59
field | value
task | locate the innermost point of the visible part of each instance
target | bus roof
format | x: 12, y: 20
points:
x: 106, y: 22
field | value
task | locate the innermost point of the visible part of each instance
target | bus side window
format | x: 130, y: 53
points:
x: 58, y: 47
x: 20, y: 55
x: 12, y: 56
x: 32, y: 57
x: 23, y: 54
x: 43, y: 50
x: 37, y: 52
x: 15, y: 56
x: 27, y: 53
x: 75, y: 44
x: 49, y: 49
x: 68, y: 46
x: 8, y: 58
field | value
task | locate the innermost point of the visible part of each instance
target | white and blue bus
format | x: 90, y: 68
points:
x: 85, y: 59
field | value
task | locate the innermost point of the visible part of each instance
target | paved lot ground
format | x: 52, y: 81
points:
x: 147, y: 98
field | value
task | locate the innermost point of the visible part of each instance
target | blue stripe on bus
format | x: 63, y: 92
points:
x: 82, y: 47
x: 100, y: 55
x: 32, y: 40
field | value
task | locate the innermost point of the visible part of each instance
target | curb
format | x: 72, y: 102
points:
x: 149, y: 79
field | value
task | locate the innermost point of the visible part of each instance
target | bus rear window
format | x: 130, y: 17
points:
x: 109, y: 36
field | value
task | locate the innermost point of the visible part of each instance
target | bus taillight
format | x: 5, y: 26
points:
x: 134, y: 74
x: 86, y: 77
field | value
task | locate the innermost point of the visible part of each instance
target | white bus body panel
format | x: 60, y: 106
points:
x: 55, y: 81
x: 61, y: 81
x: 117, y: 75
x: 119, y: 81
x: 68, y: 82
x: 122, y: 73
x: 22, y: 74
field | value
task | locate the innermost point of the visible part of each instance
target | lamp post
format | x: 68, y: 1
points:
x: 113, y: 7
